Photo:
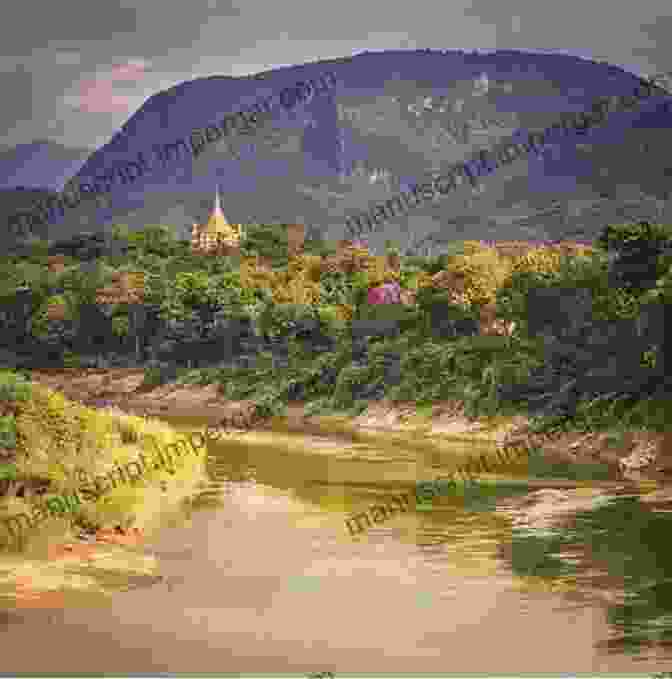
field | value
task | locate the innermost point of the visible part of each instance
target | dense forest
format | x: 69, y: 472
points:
x: 570, y: 334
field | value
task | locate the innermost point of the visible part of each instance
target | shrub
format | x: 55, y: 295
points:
x: 120, y: 325
x: 14, y: 387
x: 152, y: 377
x: 7, y: 432
x: 661, y: 292
x: 468, y: 369
x: 279, y: 320
x: 331, y: 319
x: 269, y: 402
x: 71, y: 360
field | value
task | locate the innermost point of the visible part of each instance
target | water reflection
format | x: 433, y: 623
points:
x: 259, y: 574
x: 618, y: 548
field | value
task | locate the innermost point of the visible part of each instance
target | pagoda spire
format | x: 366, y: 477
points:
x: 217, y: 211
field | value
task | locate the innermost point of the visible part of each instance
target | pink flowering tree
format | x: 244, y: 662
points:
x: 387, y: 293
x: 384, y: 302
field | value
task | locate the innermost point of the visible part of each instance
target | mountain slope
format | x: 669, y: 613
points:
x: 393, y: 118
x: 40, y: 164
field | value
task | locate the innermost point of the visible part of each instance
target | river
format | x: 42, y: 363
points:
x: 261, y: 575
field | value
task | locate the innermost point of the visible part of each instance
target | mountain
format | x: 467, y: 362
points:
x: 39, y: 164
x: 18, y: 200
x: 393, y: 118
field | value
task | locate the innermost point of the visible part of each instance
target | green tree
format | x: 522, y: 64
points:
x: 121, y: 231
x: 392, y: 247
x: 81, y: 285
x: 186, y: 291
x: 153, y: 240
x: 638, y: 247
x: 316, y: 245
x: 196, y: 291
x: 38, y: 250
x: 121, y: 324
x: 267, y: 241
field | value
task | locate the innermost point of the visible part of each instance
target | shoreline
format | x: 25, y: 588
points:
x: 641, y: 455
x: 384, y: 425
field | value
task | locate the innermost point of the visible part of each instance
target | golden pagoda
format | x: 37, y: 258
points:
x: 217, y: 236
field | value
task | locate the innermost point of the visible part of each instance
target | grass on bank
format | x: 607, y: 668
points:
x: 58, y: 440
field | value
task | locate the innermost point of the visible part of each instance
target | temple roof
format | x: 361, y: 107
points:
x: 217, y: 222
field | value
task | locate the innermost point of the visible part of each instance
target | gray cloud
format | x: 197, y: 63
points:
x: 50, y: 48
x: 33, y: 23
x: 17, y: 108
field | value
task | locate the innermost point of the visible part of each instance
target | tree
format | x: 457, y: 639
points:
x: 121, y: 231
x: 82, y: 283
x: 267, y: 241
x: 392, y: 247
x: 314, y: 244
x: 154, y: 240
x: 160, y: 240
x: 638, y: 264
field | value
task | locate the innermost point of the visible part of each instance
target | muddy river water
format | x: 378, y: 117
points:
x: 260, y: 574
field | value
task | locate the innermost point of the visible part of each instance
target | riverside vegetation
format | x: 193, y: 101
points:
x: 92, y: 490
x: 54, y: 443
x: 571, y: 335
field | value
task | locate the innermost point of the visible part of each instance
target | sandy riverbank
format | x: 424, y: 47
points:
x: 637, y: 455
x: 383, y: 425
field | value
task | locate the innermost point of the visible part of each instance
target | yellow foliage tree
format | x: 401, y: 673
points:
x: 296, y: 289
x: 539, y: 260
x: 483, y: 269
x: 378, y: 271
x: 308, y: 266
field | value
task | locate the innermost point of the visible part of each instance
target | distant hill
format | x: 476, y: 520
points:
x: 18, y: 200
x: 393, y: 118
x: 39, y: 164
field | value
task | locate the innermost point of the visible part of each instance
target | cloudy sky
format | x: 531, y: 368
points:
x: 74, y: 71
